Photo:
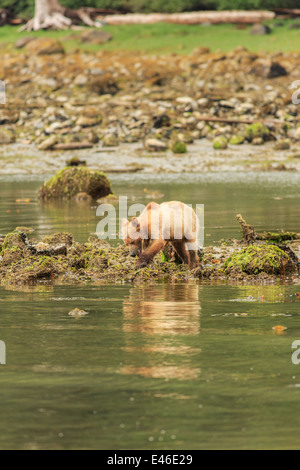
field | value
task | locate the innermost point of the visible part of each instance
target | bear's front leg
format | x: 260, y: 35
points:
x: 147, y: 256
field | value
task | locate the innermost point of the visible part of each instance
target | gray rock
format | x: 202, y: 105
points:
x: 22, y: 42
x: 110, y: 140
x: 260, y: 30
x: 77, y: 313
x: 81, y: 80
x: 96, y: 37
x: 155, y: 145
x: 88, y: 121
x: 267, y: 69
x: 294, y: 26
x: 49, y: 143
x: 7, y: 136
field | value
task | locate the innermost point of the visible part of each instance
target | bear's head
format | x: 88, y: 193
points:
x: 132, y: 236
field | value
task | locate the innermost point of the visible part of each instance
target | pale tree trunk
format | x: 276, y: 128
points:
x: 50, y: 14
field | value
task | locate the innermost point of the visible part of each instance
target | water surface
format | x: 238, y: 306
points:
x: 181, y: 366
x: 269, y: 201
x: 156, y: 367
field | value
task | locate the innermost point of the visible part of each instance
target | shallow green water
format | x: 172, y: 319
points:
x: 156, y: 367
x: 270, y: 201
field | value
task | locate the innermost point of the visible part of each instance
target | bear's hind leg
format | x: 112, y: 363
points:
x: 193, y: 259
x: 180, y: 248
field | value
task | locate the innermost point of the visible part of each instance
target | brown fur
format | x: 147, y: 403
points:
x: 149, y: 233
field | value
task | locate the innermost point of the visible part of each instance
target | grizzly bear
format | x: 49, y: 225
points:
x: 170, y: 222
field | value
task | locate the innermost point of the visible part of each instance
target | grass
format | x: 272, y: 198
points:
x: 168, y: 38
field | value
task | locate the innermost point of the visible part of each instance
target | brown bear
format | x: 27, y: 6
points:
x: 170, y: 222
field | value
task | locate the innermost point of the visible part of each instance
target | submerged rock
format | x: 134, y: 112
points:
x: 77, y: 313
x: 83, y: 197
x: 73, y: 180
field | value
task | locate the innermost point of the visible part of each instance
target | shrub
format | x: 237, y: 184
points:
x: 25, y: 8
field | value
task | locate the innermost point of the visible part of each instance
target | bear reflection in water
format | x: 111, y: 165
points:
x: 159, y: 322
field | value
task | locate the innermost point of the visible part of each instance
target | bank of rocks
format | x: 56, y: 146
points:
x: 81, y: 100
x: 24, y: 260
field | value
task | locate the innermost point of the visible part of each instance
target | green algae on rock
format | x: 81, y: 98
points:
x: 73, y: 180
x: 95, y: 261
x: 260, y: 258
x: 13, y: 240
x: 179, y: 147
x: 220, y: 143
x: 237, y: 140
x: 58, y: 258
x: 256, y: 131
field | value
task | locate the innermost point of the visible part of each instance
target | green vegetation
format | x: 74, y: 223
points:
x: 168, y: 38
x: 256, y: 259
x: 13, y: 241
x: 257, y: 130
x: 179, y: 147
x: 220, y: 143
x: 237, y: 140
x: 25, y: 7
x: 279, y: 238
x: 71, y: 181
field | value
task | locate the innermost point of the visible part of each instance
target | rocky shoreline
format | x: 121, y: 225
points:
x: 125, y: 112
x: 230, y: 106
x: 59, y: 258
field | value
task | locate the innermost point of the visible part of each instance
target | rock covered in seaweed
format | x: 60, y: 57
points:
x: 70, y: 181
x: 253, y: 260
x: 59, y: 258
x: 257, y: 131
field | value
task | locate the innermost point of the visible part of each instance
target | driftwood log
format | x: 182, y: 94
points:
x: 287, y: 12
x: 250, y: 236
x: 240, y: 121
x: 198, y: 17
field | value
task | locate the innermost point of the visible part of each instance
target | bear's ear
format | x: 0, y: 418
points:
x: 135, y: 224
